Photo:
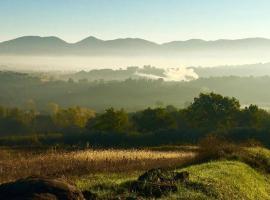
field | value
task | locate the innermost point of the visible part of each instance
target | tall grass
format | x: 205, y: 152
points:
x: 16, y: 164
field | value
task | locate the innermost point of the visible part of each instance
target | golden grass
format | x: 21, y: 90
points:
x: 17, y: 164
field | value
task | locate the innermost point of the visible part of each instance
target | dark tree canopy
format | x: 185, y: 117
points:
x: 111, y: 120
x: 209, y: 113
x: 213, y: 110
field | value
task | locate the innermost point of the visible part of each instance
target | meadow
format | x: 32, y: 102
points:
x: 217, y: 169
x: 230, y: 173
x: 18, y: 163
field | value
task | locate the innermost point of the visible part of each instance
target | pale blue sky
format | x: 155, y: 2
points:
x: 156, y: 20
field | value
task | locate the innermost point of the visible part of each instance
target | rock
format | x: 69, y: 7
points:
x: 36, y: 188
x: 158, y: 182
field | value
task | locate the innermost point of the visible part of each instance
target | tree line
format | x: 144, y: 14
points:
x: 209, y: 113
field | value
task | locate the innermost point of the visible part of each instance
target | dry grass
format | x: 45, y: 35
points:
x: 16, y: 164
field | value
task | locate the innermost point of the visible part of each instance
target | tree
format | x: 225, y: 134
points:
x: 212, y: 111
x: 153, y: 119
x: 254, y: 117
x: 9, y: 125
x: 111, y: 120
x: 73, y: 117
x: 44, y: 124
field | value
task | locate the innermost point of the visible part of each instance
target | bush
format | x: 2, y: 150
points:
x: 250, y: 152
x: 212, y: 147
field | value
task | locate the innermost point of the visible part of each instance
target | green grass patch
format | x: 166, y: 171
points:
x: 108, y: 185
x: 224, y: 180
x: 256, y: 157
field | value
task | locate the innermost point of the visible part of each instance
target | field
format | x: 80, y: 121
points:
x: 108, y: 173
x: 240, y: 178
x: 16, y: 164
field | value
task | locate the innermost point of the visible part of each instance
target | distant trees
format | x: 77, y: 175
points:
x: 153, y: 119
x: 253, y: 116
x: 44, y: 124
x: 208, y: 113
x: 112, y: 120
x: 15, y: 121
x: 73, y: 117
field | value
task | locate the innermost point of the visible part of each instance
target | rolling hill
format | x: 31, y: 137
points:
x: 35, y: 45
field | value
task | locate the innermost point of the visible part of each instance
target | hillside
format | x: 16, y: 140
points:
x: 218, y: 179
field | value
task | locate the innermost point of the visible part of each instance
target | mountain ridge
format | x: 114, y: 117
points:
x: 52, y: 45
x: 135, y: 38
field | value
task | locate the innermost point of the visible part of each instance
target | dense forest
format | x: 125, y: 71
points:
x: 208, y: 114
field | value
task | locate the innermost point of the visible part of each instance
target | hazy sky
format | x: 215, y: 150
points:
x: 156, y: 20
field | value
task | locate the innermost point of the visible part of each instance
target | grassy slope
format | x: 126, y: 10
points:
x: 225, y: 180
x: 213, y: 180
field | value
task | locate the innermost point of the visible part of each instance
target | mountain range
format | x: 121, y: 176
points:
x: 91, y: 46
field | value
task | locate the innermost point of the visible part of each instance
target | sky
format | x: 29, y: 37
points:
x: 156, y: 20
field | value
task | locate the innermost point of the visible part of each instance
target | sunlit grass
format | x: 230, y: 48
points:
x: 108, y: 172
x: 211, y: 180
x: 227, y: 180
x: 18, y: 164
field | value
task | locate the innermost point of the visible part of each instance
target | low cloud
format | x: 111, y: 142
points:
x: 172, y: 74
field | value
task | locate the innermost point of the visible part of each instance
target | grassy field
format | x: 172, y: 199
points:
x: 107, y: 173
x: 215, y: 180
x: 226, y: 180
x: 16, y: 164
x: 220, y: 179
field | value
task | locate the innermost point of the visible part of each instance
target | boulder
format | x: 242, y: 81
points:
x: 158, y: 182
x: 36, y: 188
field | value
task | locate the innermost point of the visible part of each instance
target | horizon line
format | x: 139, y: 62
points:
x: 138, y: 38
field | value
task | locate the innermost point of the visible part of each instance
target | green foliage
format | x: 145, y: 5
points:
x: 75, y: 116
x: 213, y: 111
x: 154, y: 119
x: 15, y: 121
x: 111, y: 120
x: 208, y: 114
x: 253, y: 116
x: 44, y: 124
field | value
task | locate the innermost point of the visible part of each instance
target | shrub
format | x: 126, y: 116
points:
x: 212, y: 147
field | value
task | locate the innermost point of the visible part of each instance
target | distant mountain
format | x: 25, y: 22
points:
x: 35, y: 45
x: 197, y: 44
